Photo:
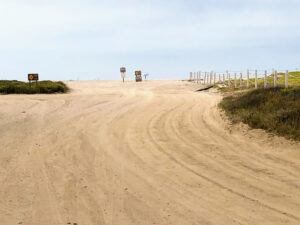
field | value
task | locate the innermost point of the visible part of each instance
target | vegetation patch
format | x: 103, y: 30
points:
x: 276, y: 110
x: 42, y: 87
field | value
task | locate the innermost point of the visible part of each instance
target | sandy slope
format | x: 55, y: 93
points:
x: 148, y: 153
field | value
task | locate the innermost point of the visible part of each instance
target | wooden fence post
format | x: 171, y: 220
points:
x: 265, y: 79
x: 200, y: 77
x: 275, y: 78
x: 228, y: 80
x: 273, y: 75
x: 248, y: 74
x: 234, y: 80
x: 286, y: 79
x: 208, y: 77
x: 241, y: 79
x: 255, y: 79
x: 215, y: 74
x: 207, y: 82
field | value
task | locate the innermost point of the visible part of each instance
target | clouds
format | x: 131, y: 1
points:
x: 96, y: 36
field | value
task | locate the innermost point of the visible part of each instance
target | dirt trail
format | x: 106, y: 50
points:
x: 147, y: 153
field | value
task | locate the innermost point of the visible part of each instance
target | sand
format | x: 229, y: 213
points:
x: 137, y: 154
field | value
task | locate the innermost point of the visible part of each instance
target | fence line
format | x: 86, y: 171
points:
x: 253, y: 78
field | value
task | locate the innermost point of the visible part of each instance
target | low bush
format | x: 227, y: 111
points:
x: 42, y: 87
x: 276, y: 110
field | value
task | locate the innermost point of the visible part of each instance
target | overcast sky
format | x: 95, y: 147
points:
x: 89, y: 39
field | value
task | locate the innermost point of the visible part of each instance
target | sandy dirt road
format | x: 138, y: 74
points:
x: 148, y: 153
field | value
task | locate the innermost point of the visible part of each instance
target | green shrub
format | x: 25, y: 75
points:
x: 276, y: 110
x: 42, y: 87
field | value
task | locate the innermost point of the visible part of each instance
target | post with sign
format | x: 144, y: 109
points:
x: 146, y: 75
x: 138, y: 76
x: 123, y: 73
x: 33, y: 77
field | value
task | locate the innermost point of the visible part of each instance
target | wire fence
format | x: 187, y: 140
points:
x: 248, y: 78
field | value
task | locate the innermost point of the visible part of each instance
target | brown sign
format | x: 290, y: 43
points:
x: 123, y: 70
x: 138, y: 76
x: 33, y: 77
x: 138, y: 73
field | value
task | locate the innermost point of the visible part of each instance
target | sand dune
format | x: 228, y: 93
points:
x: 140, y: 153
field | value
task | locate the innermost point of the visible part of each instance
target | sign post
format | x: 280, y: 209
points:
x: 146, y: 75
x: 123, y: 73
x: 33, y: 77
x: 138, y: 76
